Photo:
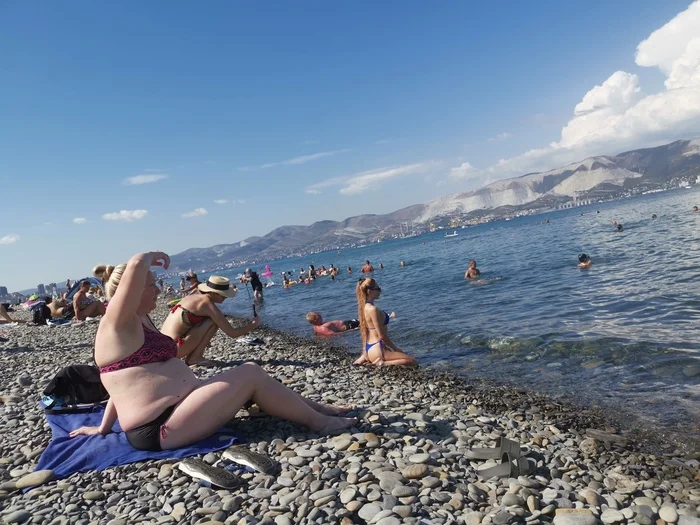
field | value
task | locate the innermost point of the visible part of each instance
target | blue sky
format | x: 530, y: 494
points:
x: 291, y: 113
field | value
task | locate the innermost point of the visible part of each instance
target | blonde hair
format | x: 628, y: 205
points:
x: 110, y: 276
x: 363, y: 286
x: 312, y: 317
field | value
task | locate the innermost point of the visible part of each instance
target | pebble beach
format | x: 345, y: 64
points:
x: 406, y: 460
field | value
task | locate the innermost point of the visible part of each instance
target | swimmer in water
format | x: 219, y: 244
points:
x: 584, y: 261
x: 381, y: 266
x: 614, y: 223
x: 349, y: 269
x: 654, y: 217
x: 331, y: 327
x: 472, y: 272
x: 695, y: 208
x: 620, y: 227
x: 403, y: 264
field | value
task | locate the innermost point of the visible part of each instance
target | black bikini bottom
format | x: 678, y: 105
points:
x: 147, y: 436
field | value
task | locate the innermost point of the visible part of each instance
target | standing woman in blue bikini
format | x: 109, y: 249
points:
x: 378, y: 347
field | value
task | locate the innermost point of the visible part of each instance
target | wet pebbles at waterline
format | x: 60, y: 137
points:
x: 405, y: 462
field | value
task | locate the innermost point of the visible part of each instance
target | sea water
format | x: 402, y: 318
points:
x: 624, y: 334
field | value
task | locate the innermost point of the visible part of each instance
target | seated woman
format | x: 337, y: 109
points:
x: 159, y: 401
x: 85, y: 306
x: 331, y: 327
x: 373, y: 323
x: 195, y: 320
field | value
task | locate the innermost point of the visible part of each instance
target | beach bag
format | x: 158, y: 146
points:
x: 40, y: 313
x: 75, y: 385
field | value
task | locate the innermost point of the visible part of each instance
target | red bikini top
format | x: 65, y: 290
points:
x: 156, y: 348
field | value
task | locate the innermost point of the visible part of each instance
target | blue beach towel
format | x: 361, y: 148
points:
x: 66, y: 455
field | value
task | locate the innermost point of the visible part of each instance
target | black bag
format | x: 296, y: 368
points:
x: 41, y: 313
x: 77, y: 384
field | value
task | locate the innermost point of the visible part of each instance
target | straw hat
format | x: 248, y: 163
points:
x: 217, y: 284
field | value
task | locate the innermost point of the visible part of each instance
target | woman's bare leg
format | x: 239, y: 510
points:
x: 4, y: 315
x: 93, y: 309
x: 390, y: 357
x: 195, y: 342
x: 219, y: 399
x: 197, y: 356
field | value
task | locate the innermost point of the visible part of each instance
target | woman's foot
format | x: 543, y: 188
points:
x: 336, y: 424
x: 329, y: 410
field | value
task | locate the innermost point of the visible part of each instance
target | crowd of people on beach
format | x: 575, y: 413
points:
x: 146, y: 370
x: 160, y: 403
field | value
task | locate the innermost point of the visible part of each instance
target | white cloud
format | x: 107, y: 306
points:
x: 240, y: 201
x: 9, y: 238
x: 195, y: 213
x: 221, y: 201
x: 361, y: 182
x: 617, y: 115
x: 149, y: 178
x: 501, y: 136
x: 79, y: 220
x: 296, y: 161
x: 125, y: 215
x: 464, y: 171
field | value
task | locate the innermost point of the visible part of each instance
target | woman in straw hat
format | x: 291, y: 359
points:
x: 159, y: 401
x: 195, y: 320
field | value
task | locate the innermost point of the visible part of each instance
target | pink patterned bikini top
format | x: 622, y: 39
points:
x: 156, y: 348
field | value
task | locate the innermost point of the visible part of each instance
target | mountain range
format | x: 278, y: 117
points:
x: 594, y: 178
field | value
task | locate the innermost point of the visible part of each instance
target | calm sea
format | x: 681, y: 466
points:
x: 624, y: 334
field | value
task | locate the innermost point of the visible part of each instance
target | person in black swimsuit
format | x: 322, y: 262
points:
x: 254, y: 280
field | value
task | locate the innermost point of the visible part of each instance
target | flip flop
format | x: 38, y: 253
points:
x: 246, y: 457
x: 198, y: 469
x: 503, y: 445
x: 509, y: 467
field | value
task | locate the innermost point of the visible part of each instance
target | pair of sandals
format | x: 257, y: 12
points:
x: 513, y: 458
x: 226, y: 478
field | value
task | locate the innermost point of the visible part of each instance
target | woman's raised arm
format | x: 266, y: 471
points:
x: 126, y: 300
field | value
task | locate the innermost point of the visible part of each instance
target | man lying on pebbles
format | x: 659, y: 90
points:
x: 160, y: 403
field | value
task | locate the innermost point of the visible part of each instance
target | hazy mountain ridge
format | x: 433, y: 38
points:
x: 592, y: 178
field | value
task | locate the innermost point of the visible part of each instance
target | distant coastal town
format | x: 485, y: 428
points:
x: 404, y: 229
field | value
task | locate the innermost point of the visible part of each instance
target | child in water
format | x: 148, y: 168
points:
x: 472, y: 272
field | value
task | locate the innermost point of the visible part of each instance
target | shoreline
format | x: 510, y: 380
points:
x: 647, y: 437
x: 408, y: 417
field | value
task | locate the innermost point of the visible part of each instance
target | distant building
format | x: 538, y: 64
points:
x: 41, y: 289
x: 3, y: 291
x: 52, y: 289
